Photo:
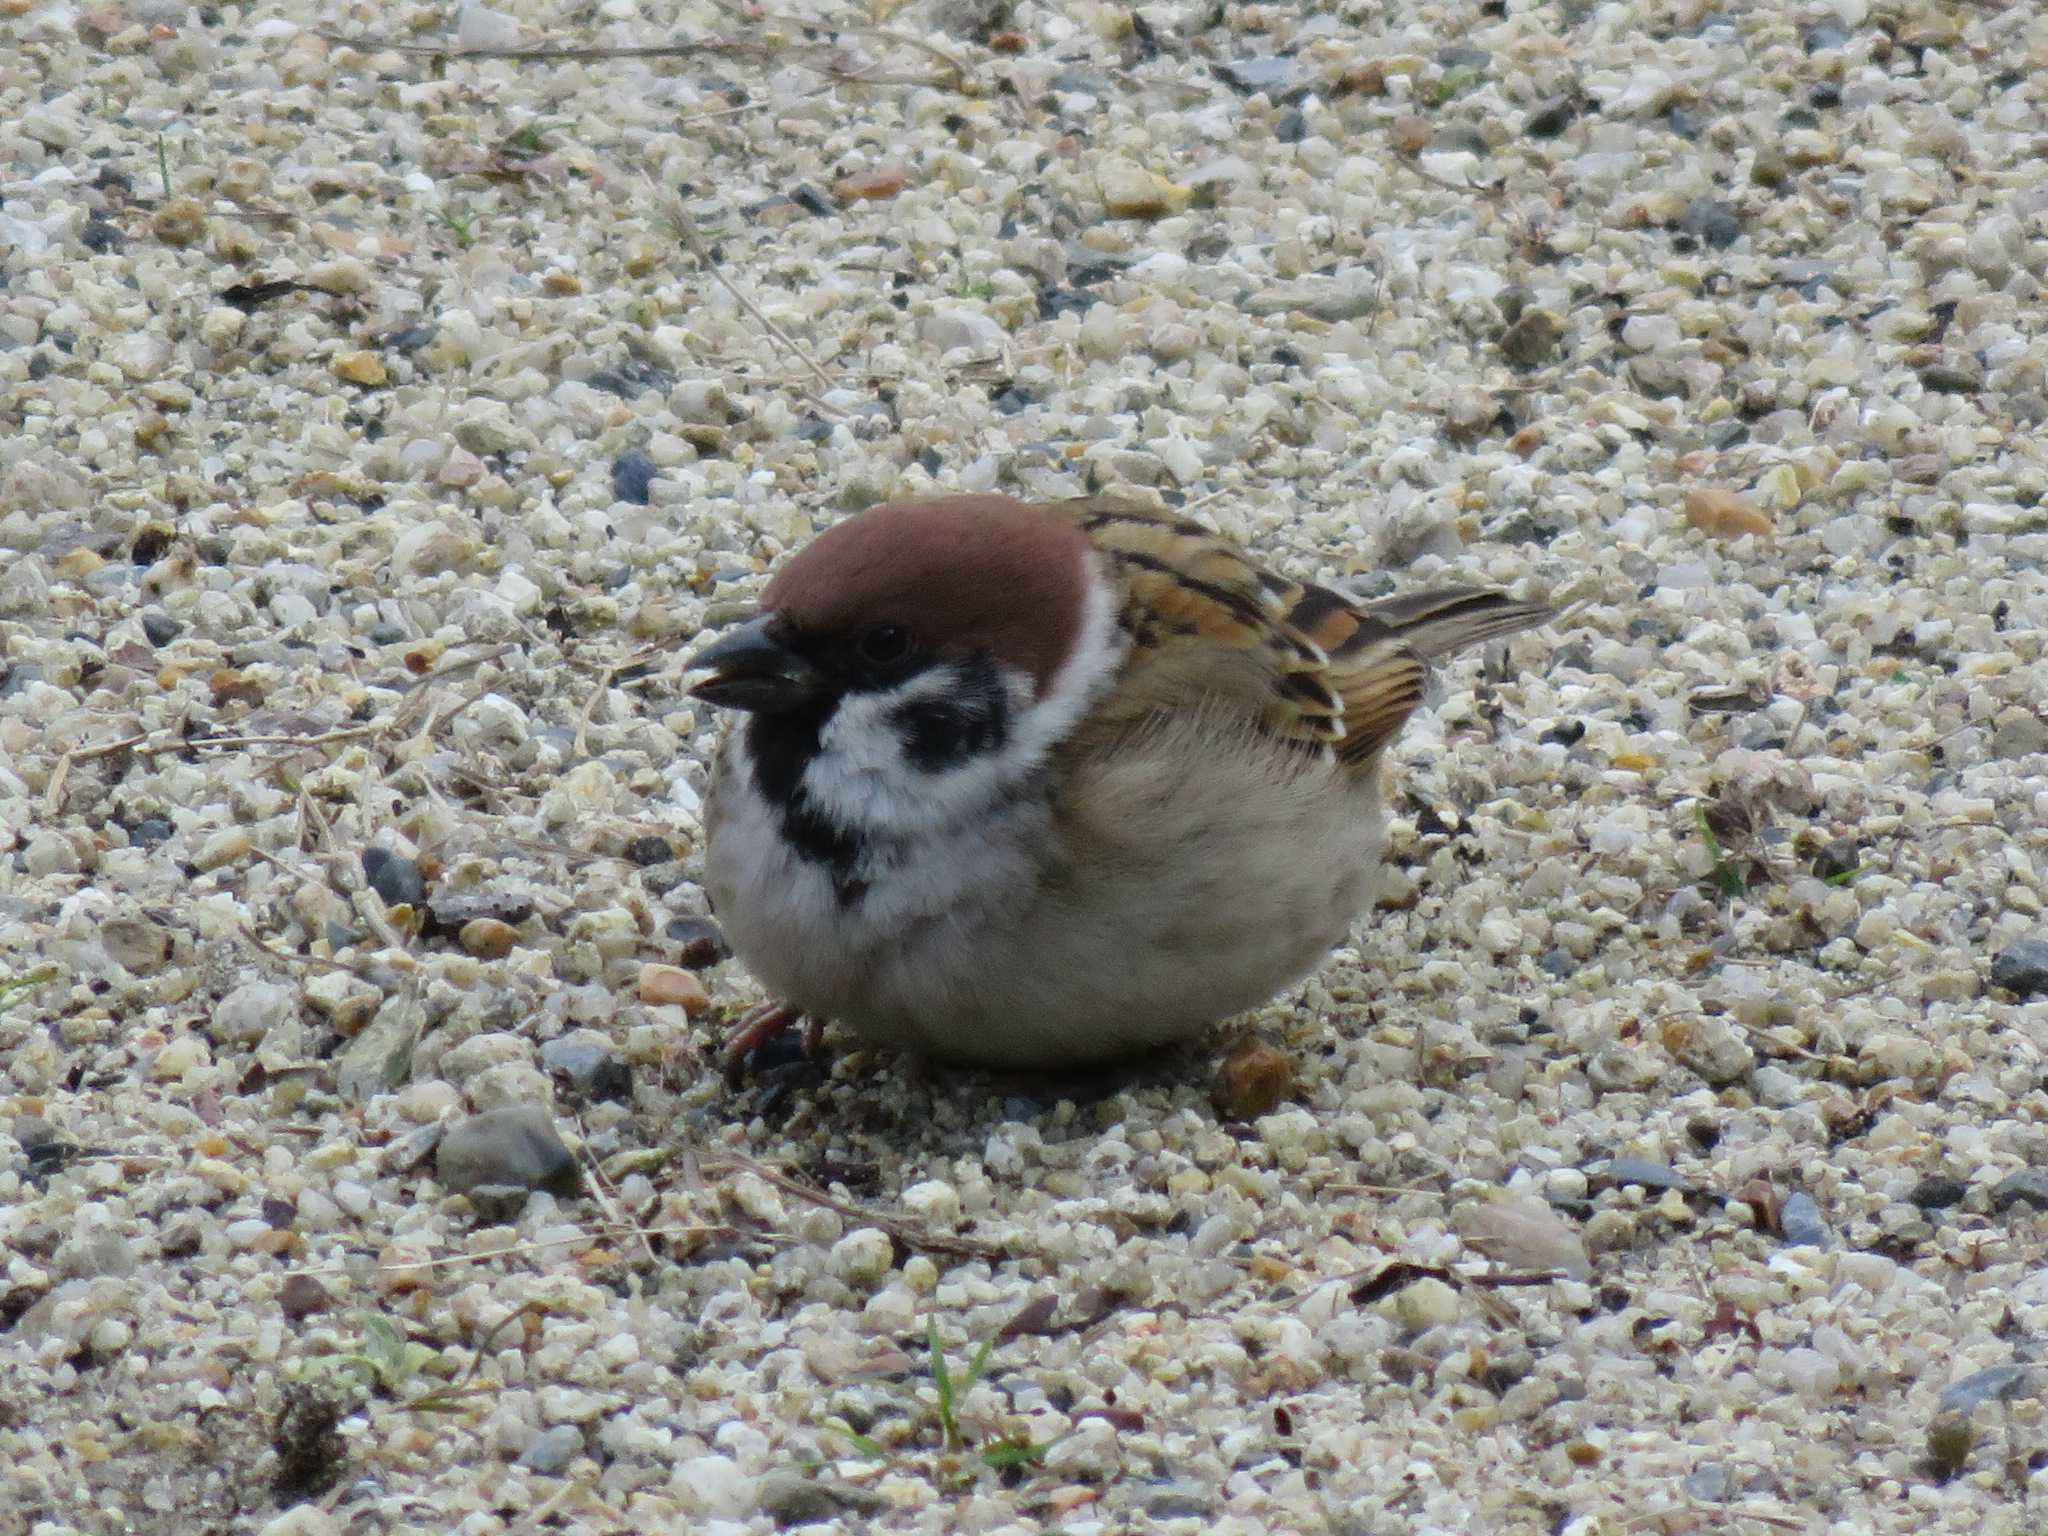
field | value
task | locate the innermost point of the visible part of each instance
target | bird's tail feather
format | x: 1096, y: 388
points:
x: 1450, y: 619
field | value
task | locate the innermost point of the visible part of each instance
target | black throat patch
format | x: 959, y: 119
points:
x: 969, y: 718
x: 781, y: 746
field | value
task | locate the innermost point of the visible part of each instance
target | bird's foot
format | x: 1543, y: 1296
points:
x: 762, y: 1026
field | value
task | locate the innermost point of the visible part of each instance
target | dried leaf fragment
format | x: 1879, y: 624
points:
x: 1725, y: 514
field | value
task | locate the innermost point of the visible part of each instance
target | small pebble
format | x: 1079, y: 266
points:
x: 2029, y: 1186
x: 364, y: 368
x: 488, y: 939
x: 2022, y: 967
x: 1725, y: 514
x: 1254, y: 1080
x: 671, y: 985
x: 394, y: 877
x: 633, y: 475
x: 1800, y: 1222
x: 550, y: 1452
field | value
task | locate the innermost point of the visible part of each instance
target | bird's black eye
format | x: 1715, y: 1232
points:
x: 883, y: 645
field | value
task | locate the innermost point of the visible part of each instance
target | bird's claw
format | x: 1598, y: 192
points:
x: 760, y: 1025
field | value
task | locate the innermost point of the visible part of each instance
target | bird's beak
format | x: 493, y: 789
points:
x: 753, y: 667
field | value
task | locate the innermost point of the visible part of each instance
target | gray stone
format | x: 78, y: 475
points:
x: 1637, y: 1170
x: 514, y: 1145
x: 2029, y: 1185
x: 550, y: 1452
x: 586, y: 1061
x: 1995, y: 1383
x: 1800, y: 1220
x: 793, y: 1499
x: 380, y: 1058
x: 1708, y: 1483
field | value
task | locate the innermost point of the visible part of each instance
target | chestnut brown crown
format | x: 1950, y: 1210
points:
x: 960, y: 573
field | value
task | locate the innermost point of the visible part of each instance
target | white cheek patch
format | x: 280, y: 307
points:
x: 862, y: 778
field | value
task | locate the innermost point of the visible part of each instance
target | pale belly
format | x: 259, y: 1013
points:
x: 1036, y: 943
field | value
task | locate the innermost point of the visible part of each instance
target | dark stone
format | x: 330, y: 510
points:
x: 1532, y: 340
x: 1292, y: 126
x: 1552, y: 117
x: 702, y: 941
x: 100, y: 237
x: 650, y: 850
x: 1711, y: 222
x: 1955, y: 375
x: 2029, y: 1185
x: 1179, y: 1502
x: 633, y: 477
x: 1838, y: 860
x: 635, y: 376
x: 791, y: 1498
x: 150, y: 830
x: 590, y: 1067
x: 412, y: 338
x: 498, y: 1205
x: 384, y: 632
x: 159, y: 628
x: 516, y: 1145
x: 1054, y: 302
x: 300, y: 1296
x: 2022, y: 967
x: 1936, y: 1193
x: 394, y: 877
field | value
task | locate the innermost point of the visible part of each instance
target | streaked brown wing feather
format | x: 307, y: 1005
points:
x: 1309, y: 664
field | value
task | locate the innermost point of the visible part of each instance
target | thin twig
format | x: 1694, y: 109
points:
x: 151, y: 744
x: 601, y: 1192
x: 308, y: 962
x: 686, y: 228
x: 171, y: 741
x: 556, y: 53
x: 519, y: 1250
x: 901, y: 1230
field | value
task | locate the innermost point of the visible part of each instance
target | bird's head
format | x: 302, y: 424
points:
x: 917, y: 658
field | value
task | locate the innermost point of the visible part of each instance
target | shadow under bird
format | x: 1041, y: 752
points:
x: 1036, y: 786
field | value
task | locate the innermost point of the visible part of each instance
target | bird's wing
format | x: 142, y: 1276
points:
x: 1309, y: 665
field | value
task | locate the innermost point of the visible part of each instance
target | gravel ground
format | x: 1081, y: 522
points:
x: 379, y: 427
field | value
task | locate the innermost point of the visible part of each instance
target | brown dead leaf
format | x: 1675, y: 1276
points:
x: 875, y: 185
x: 1725, y: 514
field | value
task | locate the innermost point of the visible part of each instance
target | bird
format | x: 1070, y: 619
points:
x: 1039, y: 786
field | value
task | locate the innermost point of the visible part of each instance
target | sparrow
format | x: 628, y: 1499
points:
x: 1037, y: 786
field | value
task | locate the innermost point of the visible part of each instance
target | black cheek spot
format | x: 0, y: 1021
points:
x: 968, y: 722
